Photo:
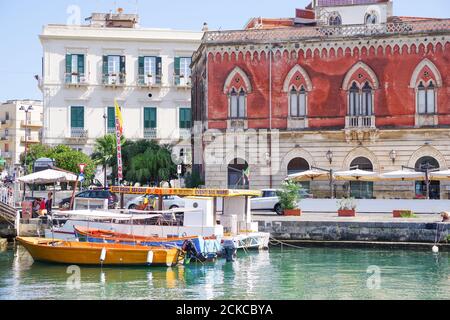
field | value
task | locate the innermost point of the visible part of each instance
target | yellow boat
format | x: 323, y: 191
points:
x: 84, y: 253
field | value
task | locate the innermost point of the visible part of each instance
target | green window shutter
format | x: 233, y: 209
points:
x: 80, y: 64
x: 122, y: 64
x: 111, y: 117
x: 105, y: 65
x: 185, y: 118
x: 150, y: 118
x: 177, y: 70
x: 68, y: 63
x: 77, y: 117
x: 141, y: 66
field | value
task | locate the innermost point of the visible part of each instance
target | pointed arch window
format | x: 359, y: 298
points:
x: 335, y: 20
x: 371, y: 18
x: 426, y: 98
x: 361, y: 100
x: 298, y: 102
x: 237, y: 104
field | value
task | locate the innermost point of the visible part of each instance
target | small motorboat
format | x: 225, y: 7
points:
x: 206, y: 248
x: 101, y: 254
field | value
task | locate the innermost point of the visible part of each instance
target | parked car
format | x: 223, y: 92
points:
x: 270, y: 201
x: 169, y: 202
x: 113, y: 200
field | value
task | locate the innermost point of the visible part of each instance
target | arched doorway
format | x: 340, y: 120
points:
x: 298, y: 165
x: 435, y: 186
x: 238, y: 174
x: 361, y: 189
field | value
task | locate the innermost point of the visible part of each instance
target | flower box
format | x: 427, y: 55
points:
x: 402, y: 214
x: 293, y: 212
x: 346, y: 213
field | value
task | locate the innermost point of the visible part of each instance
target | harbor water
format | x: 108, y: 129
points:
x: 308, y: 273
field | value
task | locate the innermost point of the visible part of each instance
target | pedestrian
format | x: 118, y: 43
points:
x: 49, y: 203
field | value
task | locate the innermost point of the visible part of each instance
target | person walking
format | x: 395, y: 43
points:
x: 49, y: 203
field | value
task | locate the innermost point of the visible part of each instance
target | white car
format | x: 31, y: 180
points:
x: 270, y: 201
x: 169, y: 202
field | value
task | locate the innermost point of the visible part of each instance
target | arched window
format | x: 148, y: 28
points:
x: 435, y: 186
x: 298, y: 102
x: 238, y: 174
x: 426, y: 98
x: 360, y: 100
x: 335, y: 20
x: 361, y: 189
x: 371, y: 18
x: 237, y: 104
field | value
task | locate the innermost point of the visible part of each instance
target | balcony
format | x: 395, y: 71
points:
x: 31, y: 124
x: 149, y: 81
x: 114, y: 80
x: 75, y: 79
x: 150, y: 133
x: 237, y: 124
x: 359, y: 122
x: 6, y: 155
x: 181, y: 81
x: 111, y: 131
x: 31, y: 139
x: 4, y: 137
x: 6, y: 122
x: 77, y: 136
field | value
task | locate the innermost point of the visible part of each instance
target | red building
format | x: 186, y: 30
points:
x: 343, y: 79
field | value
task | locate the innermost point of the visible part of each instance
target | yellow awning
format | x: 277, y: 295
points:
x: 222, y: 193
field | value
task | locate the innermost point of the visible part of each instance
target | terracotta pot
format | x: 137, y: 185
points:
x: 397, y: 213
x: 294, y: 212
x: 346, y: 213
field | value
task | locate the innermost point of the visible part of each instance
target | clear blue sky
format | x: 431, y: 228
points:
x: 21, y: 21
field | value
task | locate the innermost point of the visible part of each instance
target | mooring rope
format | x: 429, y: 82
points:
x: 286, y: 243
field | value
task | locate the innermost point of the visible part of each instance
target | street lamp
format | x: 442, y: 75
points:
x: 105, y: 117
x: 393, y: 155
x: 27, y: 109
x: 329, y: 156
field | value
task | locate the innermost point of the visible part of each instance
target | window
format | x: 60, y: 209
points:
x: 298, y: 102
x: 185, y: 118
x: 113, y: 69
x: 77, y: 117
x: 237, y: 104
x: 150, y: 70
x: 361, y: 100
x: 150, y: 118
x: 182, y: 71
x: 238, y: 174
x: 335, y: 20
x: 111, y: 119
x: 371, y: 18
x: 426, y: 101
x: 421, y: 186
x: 361, y: 189
x: 74, y: 68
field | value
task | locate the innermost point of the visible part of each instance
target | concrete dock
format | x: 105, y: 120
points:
x: 368, y: 229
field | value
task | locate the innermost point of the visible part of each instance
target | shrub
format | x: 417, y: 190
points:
x: 289, y: 195
x: 347, y: 204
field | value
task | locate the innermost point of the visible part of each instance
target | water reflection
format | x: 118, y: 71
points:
x: 318, y: 273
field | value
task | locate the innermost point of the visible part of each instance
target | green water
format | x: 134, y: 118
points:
x: 310, y: 273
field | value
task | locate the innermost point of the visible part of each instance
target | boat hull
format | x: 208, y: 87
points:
x: 77, y: 253
x: 204, y: 246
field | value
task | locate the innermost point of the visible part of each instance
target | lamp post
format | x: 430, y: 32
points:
x: 329, y: 156
x: 27, y: 109
x: 105, y: 118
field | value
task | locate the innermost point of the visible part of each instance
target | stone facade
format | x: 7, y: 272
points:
x: 386, y: 64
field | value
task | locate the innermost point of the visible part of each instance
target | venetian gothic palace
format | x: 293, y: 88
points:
x: 344, y: 83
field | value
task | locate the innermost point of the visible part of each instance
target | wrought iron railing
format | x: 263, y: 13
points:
x: 149, y: 80
x: 150, y: 133
x: 182, y: 80
x: 293, y: 34
x: 79, y: 133
x: 75, y: 78
x: 113, y: 79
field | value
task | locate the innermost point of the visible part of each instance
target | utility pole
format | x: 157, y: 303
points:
x: 27, y: 109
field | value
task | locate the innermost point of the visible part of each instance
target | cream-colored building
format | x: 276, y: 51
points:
x: 21, y: 125
x: 85, y: 68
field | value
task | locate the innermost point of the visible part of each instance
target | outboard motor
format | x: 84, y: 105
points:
x: 229, y: 250
x: 191, y: 251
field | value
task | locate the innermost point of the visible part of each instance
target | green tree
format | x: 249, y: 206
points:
x: 105, y: 152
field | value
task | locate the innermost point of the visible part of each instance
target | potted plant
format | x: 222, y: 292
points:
x: 347, y: 207
x: 289, y: 196
x: 402, y: 214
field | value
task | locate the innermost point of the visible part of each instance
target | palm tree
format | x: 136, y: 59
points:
x: 105, y: 152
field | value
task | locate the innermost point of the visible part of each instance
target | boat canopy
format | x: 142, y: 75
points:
x: 103, y: 215
x: 219, y: 193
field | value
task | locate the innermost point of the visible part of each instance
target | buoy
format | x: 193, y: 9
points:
x: 103, y: 255
x: 150, y: 257
x: 435, y: 249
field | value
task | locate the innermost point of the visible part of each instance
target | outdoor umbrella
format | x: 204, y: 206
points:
x: 308, y: 175
x: 356, y: 175
x: 48, y: 176
x: 440, y: 175
x: 403, y: 175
